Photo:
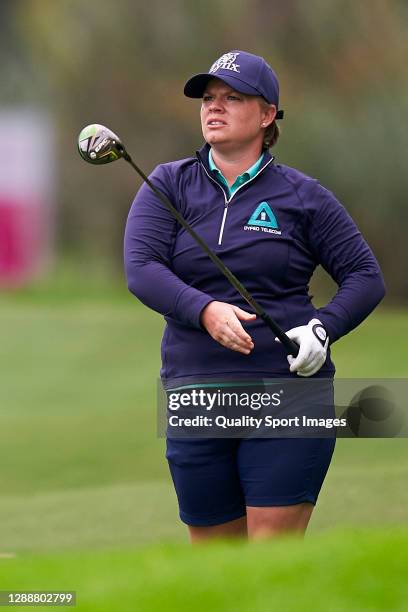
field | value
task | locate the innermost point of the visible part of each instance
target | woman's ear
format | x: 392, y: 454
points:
x: 270, y: 114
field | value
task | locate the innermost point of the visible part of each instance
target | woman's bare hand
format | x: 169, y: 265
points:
x: 222, y: 321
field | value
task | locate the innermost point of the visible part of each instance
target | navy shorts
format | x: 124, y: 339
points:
x: 215, y: 479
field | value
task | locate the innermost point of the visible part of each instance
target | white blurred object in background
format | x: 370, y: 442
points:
x: 27, y: 182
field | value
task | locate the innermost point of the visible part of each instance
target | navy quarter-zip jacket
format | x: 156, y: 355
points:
x: 273, y: 255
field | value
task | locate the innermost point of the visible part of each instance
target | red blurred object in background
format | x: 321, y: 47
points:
x: 20, y: 242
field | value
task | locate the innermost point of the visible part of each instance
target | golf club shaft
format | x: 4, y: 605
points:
x: 291, y: 346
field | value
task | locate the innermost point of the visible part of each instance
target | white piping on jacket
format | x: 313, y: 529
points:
x: 228, y: 200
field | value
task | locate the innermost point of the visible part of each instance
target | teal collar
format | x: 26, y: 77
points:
x: 240, y: 180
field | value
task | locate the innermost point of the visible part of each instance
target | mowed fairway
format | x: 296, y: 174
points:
x: 83, y: 474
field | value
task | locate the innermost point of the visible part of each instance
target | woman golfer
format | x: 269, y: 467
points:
x: 272, y: 226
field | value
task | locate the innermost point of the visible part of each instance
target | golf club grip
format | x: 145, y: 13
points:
x: 291, y: 347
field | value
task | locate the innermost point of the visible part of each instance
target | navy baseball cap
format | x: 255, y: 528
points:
x: 244, y: 72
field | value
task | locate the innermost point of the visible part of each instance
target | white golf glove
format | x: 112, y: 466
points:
x: 313, y: 341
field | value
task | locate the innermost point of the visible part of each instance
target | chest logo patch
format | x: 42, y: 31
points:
x: 263, y: 219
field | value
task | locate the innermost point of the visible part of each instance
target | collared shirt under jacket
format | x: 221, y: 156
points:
x: 272, y: 233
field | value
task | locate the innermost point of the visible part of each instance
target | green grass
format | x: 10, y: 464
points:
x: 78, y: 392
x: 128, y: 515
x: 343, y: 570
x: 78, y: 386
x: 92, y: 518
x: 86, y: 498
x: 377, y: 348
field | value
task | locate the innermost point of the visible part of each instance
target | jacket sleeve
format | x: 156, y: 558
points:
x: 342, y: 251
x: 149, y: 236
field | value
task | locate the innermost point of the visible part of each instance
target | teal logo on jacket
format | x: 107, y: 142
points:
x: 263, y: 216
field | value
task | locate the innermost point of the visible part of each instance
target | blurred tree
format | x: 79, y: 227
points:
x: 343, y: 80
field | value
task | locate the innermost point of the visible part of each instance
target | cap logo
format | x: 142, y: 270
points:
x: 226, y: 62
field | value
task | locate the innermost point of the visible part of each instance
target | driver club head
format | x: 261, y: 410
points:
x: 98, y: 145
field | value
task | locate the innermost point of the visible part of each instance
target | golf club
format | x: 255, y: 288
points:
x: 99, y: 145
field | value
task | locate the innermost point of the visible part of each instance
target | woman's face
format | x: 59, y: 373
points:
x: 230, y: 119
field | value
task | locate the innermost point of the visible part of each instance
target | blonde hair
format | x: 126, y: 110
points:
x: 272, y: 132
